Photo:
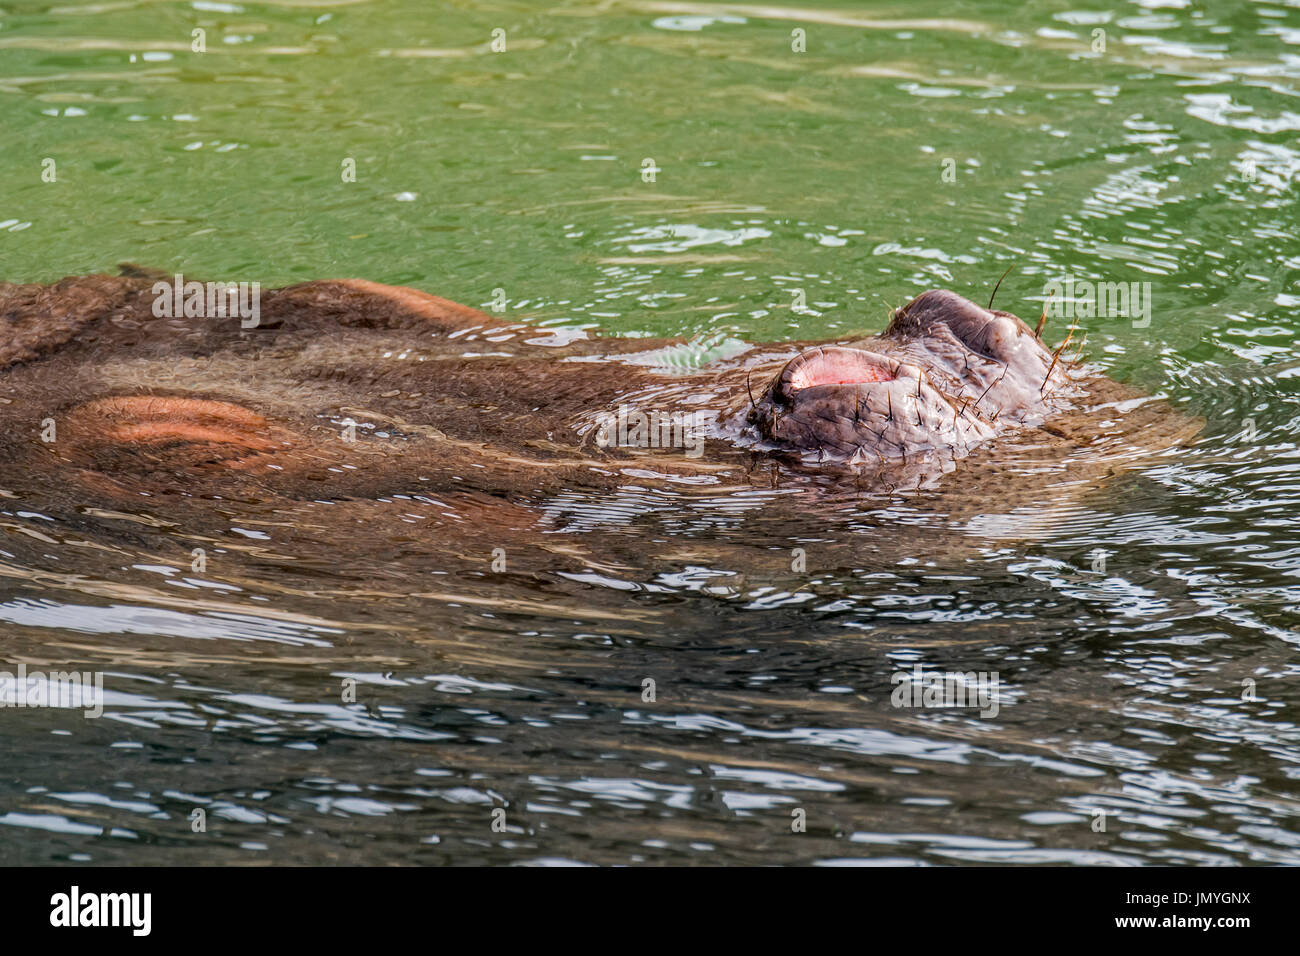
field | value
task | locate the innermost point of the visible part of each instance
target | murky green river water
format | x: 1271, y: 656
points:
x: 1150, y: 702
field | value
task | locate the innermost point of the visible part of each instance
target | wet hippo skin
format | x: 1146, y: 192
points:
x: 370, y: 419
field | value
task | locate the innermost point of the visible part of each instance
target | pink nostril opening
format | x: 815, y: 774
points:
x: 838, y: 368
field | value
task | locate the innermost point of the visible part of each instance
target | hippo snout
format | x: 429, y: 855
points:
x: 942, y: 378
x: 853, y: 403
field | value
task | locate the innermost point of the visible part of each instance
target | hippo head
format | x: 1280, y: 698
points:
x: 941, y: 379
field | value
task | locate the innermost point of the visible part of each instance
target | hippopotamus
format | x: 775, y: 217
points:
x: 385, y: 423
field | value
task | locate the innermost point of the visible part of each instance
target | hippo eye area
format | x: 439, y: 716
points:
x: 179, y: 433
x: 940, y: 315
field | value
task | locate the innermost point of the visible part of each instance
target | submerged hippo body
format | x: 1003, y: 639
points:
x: 367, y: 420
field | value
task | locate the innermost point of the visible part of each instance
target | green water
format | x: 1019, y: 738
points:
x: 936, y: 148
x: 522, y: 170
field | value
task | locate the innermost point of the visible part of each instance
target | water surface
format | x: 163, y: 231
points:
x: 1158, y: 685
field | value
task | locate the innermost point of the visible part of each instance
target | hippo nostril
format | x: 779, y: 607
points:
x: 835, y: 366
